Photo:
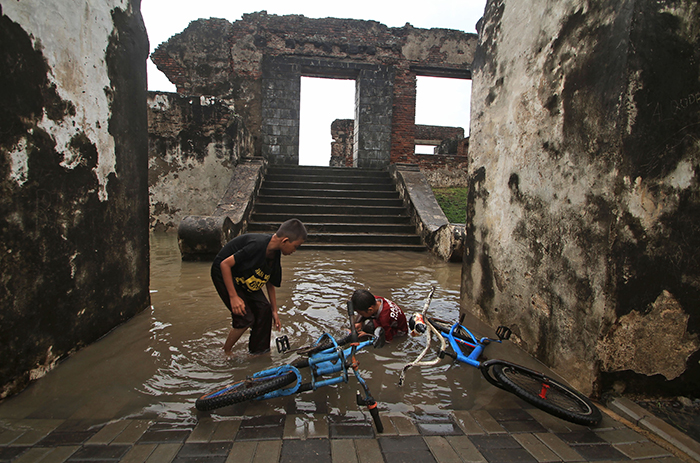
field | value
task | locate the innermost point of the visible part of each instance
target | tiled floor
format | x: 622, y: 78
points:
x: 496, y: 435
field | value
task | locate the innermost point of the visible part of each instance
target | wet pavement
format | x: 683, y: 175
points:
x: 513, y: 432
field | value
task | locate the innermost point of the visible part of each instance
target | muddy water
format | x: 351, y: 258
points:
x: 159, y: 362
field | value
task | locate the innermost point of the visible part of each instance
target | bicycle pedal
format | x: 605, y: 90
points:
x: 503, y: 332
x: 282, y: 344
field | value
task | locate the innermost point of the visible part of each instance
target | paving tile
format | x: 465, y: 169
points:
x: 100, y: 452
x: 465, y: 448
x: 522, y: 426
x: 508, y: 456
x: 487, y: 422
x: 206, y: 449
x: 203, y: 430
x: 32, y: 455
x: 510, y: 414
x: 466, y: 421
x: 343, y: 451
x: 312, y: 450
x: 599, y: 452
x: 133, y: 432
x: 436, y: 425
x: 163, y: 453
x: 138, y: 453
x: 620, y: 436
x: 639, y: 450
x: 536, y: 447
x: 558, y: 446
x: 9, y: 453
x: 108, y: 433
x: 317, y: 427
x: 552, y: 423
x: 261, y: 428
x: 498, y: 441
x: 368, y: 451
x: 405, y: 449
x: 59, y: 454
x: 225, y: 431
x: 35, y: 430
x: 57, y: 438
x: 441, y: 449
x: 580, y: 437
x: 8, y: 436
x: 350, y: 427
x: 242, y: 452
x: 404, y: 426
x: 267, y: 452
x: 163, y: 436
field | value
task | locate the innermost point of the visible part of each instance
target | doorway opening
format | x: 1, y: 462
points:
x: 323, y: 100
x: 441, y: 101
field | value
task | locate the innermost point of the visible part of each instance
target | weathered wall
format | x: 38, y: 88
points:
x: 584, y: 198
x: 194, y: 143
x: 259, y: 58
x: 73, y: 185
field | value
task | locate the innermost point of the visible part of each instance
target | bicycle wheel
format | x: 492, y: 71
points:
x: 241, y: 391
x: 547, y: 394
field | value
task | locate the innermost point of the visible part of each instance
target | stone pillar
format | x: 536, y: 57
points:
x: 373, y: 110
x: 281, y: 97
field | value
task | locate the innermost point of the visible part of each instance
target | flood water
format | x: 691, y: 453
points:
x: 158, y: 363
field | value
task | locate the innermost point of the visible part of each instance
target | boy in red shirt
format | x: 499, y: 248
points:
x: 375, y: 312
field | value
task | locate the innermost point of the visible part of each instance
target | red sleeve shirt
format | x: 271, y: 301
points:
x: 391, y: 318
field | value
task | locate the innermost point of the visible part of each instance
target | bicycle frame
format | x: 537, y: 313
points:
x: 327, y: 362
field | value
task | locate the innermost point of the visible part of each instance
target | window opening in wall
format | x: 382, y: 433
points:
x: 323, y: 100
x: 442, y: 101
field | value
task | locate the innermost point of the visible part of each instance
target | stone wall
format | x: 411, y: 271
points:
x: 194, y: 143
x: 256, y: 62
x: 440, y: 170
x: 74, y: 193
x: 582, y: 224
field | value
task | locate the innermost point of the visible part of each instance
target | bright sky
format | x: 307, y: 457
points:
x: 439, y: 101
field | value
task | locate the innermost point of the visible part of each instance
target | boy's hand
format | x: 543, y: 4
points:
x: 237, y: 305
x: 276, y: 321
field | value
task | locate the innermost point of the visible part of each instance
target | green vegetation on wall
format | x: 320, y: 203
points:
x: 453, y: 202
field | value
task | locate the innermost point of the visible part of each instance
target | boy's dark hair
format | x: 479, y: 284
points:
x: 362, y: 300
x: 292, y: 229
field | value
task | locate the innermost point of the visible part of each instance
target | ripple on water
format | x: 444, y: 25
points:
x: 189, y: 325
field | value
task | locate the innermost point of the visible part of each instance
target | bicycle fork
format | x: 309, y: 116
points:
x: 368, y: 400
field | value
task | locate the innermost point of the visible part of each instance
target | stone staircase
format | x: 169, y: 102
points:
x: 342, y: 208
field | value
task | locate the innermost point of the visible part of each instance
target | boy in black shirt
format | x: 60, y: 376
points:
x: 239, y: 272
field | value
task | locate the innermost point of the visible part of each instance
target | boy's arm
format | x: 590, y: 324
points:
x: 272, y: 295
x: 237, y: 304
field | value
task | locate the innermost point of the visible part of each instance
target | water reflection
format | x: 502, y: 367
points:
x: 159, y: 362
x: 189, y: 323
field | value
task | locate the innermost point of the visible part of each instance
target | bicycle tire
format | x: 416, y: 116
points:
x: 558, y: 400
x: 244, y: 390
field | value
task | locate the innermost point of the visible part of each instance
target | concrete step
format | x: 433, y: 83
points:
x: 340, y: 228
x: 342, y: 208
x: 339, y: 219
x: 297, y: 209
x: 329, y: 201
x: 323, y: 191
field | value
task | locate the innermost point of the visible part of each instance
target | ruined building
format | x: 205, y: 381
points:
x: 583, y: 160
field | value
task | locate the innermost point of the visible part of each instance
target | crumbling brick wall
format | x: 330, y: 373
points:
x: 441, y: 169
x: 256, y: 61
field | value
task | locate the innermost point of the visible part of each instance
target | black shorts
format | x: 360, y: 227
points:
x: 257, y: 317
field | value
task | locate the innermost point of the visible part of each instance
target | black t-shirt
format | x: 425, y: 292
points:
x: 252, y: 269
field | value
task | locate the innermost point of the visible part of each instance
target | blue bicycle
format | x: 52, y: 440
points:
x: 533, y: 387
x: 328, y: 362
